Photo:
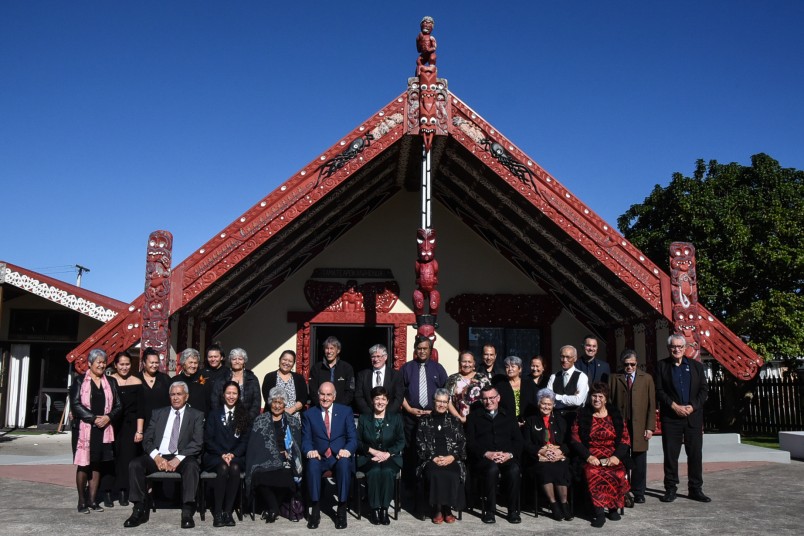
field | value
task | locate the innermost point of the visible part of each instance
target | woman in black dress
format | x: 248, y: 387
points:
x: 95, y: 404
x: 155, y: 385
x: 129, y: 427
x: 441, y: 447
x: 546, y: 451
x: 225, y: 440
x: 273, y: 458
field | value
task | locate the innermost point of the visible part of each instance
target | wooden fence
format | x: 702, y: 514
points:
x: 766, y: 406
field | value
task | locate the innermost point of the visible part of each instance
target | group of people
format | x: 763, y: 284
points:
x: 446, y: 437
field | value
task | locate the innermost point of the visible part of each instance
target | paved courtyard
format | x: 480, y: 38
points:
x: 37, y: 496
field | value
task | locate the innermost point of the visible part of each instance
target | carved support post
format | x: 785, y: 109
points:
x: 400, y: 345
x: 303, y: 364
x: 195, y: 340
x: 156, y: 311
x: 684, y: 294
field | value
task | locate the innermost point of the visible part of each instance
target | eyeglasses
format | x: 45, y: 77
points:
x: 567, y: 357
x: 489, y: 399
x: 628, y: 365
x: 441, y: 401
x: 676, y: 347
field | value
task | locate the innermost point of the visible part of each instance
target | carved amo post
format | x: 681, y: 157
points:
x: 684, y: 292
x: 426, y: 297
x: 156, y: 312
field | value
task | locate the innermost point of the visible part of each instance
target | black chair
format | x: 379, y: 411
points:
x: 164, y: 476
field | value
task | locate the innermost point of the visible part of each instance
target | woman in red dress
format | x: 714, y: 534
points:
x: 600, y: 438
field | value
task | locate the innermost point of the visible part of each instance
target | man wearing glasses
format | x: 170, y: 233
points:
x: 633, y: 393
x: 570, y: 385
x: 494, y: 444
x: 681, y: 391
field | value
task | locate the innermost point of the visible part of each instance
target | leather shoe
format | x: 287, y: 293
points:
x: 384, y: 519
x: 699, y: 496
x: 313, y: 522
x: 269, y: 516
x: 639, y: 499
x: 228, y: 519
x: 488, y: 518
x: 514, y: 518
x: 375, y: 516
x: 614, y: 515
x: 340, y: 520
x: 187, y: 522
x: 107, y: 500
x: 567, y: 512
x: 218, y: 521
x: 669, y: 496
x: 137, y: 518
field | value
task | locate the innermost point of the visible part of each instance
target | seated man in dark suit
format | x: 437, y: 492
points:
x: 172, y: 443
x: 329, y: 439
x: 380, y: 374
x: 494, y: 443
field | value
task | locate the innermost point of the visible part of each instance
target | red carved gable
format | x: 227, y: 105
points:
x: 481, y: 177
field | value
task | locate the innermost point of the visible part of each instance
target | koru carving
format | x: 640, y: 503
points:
x: 377, y: 297
x: 684, y: 292
x: 156, y: 311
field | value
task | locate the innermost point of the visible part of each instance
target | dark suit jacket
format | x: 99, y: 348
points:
x: 342, y: 430
x: 392, y: 381
x: 220, y: 439
x: 191, y: 433
x: 535, y: 435
x: 597, y: 371
x: 484, y: 434
x: 269, y: 382
x: 666, y: 392
x: 392, y: 438
x: 344, y: 381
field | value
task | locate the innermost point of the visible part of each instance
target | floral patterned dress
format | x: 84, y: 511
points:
x: 464, y: 392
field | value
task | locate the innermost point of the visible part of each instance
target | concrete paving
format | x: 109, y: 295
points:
x: 37, y: 496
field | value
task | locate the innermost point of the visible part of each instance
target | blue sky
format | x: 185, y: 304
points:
x: 119, y: 118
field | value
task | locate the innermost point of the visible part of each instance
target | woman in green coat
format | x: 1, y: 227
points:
x: 380, y: 440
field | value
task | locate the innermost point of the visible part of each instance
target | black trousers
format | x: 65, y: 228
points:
x: 142, y: 466
x: 674, y: 433
x: 487, y: 472
x: 639, y: 472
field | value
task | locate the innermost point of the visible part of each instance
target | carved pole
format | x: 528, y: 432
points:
x: 156, y: 312
x: 426, y: 265
x: 684, y: 292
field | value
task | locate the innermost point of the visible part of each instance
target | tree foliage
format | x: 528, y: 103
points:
x: 747, y: 224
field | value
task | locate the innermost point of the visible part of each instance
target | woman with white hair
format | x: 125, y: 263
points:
x: 95, y: 403
x: 273, y: 458
x: 249, y: 384
x: 190, y: 361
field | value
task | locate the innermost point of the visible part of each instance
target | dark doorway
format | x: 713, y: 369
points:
x: 355, y: 342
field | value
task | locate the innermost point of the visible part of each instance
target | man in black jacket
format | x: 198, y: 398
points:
x: 333, y: 369
x: 494, y: 443
x: 681, y: 391
x: 381, y: 373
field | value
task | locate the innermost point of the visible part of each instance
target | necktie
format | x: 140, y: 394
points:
x: 173, y: 444
x: 422, y: 385
x: 229, y: 418
x: 566, y: 378
x: 629, y: 381
x: 326, y: 425
x: 377, y: 381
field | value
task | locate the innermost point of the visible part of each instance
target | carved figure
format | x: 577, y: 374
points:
x: 684, y: 293
x: 428, y: 110
x: 426, y: 274
x: 335, y: 163
x: 518, y: 169
x: 426, y: 45
x: 156, y: 311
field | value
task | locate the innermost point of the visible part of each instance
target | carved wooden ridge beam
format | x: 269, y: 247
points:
x: 561, y: 206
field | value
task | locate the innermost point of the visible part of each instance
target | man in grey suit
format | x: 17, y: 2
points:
x: 172, y: 443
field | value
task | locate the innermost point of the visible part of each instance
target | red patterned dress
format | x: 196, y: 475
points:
x: 607, y: 484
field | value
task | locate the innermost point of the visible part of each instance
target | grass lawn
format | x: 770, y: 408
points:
x: 771, y: 442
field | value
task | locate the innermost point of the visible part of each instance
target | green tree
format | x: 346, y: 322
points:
x: 747, y: 224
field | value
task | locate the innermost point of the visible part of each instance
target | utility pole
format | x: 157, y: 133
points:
x: 81, y: 270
